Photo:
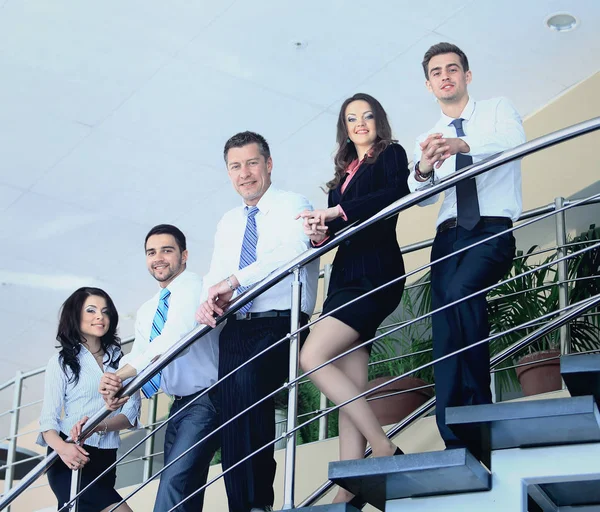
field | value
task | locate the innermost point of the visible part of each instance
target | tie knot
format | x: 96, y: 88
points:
x: 164, y: 294
x: 251, y: 211
x: 458, y: 124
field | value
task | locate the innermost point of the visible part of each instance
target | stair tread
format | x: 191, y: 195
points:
x: 581, y: 373
x: 530, y: 423
x: 333, y: 507
x: 380, y: 479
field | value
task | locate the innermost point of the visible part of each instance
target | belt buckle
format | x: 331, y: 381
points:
x: 242, y: 316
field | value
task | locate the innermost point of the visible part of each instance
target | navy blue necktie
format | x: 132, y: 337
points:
x: 248, y: 253
x: 467, y: 203
x: 158, y: 322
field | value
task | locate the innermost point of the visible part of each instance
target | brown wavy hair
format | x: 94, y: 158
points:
x: 346, y: 151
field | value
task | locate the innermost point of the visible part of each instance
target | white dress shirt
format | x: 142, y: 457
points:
x: 490, y: 126
x: 196, y: 368
x: 81, y: 399
x: 280, y: 239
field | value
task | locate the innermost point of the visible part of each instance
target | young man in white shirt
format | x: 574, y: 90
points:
x: 160, y: 323
x: 467, y: 132
x: 252, y: 241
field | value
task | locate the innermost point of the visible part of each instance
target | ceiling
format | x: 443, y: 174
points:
x: 114, y: 115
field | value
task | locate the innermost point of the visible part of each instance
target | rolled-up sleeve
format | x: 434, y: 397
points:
x: 55, y: 385
x: 131, y: 410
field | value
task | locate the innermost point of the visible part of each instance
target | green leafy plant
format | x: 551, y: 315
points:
x: 410, y: 339
x: 536, y: 294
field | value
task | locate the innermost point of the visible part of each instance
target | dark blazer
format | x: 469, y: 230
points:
x: 374, y: 253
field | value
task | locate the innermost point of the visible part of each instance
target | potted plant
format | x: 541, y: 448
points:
x: 533, y: 295
x: 384, y: 363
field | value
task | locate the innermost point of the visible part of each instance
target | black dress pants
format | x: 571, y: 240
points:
x: 251, y: 483
x: 464, y: 379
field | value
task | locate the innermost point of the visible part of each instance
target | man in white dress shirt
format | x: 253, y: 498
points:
x: 252, y: 241
x: 185, y: 378
x: 467, y: 132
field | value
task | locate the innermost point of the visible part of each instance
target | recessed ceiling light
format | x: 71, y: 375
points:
x: 561, y: 22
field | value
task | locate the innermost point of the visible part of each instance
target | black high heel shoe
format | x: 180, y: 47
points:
x: 358, y: 502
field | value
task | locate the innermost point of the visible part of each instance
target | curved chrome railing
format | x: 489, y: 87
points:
x: 404, y: 203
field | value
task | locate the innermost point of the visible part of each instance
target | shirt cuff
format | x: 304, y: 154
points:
x: 326, y: 239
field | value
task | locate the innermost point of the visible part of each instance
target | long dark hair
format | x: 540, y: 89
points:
x: 346, y: 151
x: 69, y: 329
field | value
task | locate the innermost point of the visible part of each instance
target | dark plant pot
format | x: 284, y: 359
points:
x: 541, y: 377
x: 393, y: 409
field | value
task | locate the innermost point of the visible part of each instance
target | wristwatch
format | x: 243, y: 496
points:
x: 420, y: 174
x: 228, y: 281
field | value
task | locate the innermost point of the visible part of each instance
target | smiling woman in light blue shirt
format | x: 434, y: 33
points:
x: 89, y: 347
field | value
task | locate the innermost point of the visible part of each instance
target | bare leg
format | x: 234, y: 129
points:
x: 352, y: 442
x: 328, y: 338
x: 123, y: 507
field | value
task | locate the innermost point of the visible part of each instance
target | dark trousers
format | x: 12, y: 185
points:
x: 464, y: 379
x: 190, y: 472
x: 251, y: 483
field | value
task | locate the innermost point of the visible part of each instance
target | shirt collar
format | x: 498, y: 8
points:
x: 266, y: 201
x: 173, y: 285
x: 466, y: 114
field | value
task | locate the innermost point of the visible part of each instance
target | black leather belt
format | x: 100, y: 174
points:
x: 188, y: 397
x: 274, y: 313
x: 451, y: 223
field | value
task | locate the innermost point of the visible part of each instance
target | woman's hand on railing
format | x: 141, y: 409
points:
x: 314, y: 223
x: 73, y: 455
x: 110, y: 385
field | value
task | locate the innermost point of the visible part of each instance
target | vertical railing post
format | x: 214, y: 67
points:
x: 75, y: 484
x: 292, y: 413
x: 14, y: 430
x: 323, y: 420
x: 149, y: 443
x: 563, y: 272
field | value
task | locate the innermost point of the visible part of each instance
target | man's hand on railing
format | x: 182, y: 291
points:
x: 110, y: 385
x: 219, y: 297
x: 436, y: 149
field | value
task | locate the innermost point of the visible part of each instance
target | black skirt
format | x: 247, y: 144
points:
x: 101, y: 495
x: 365, y: 315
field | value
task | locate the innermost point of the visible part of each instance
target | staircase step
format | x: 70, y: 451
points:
x: 581, y: 373
x: 334, y: 507
x: 530, y: 423
x: 563, y: 495
x: 413, y: 475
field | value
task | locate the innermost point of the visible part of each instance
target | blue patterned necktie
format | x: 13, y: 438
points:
x: 248, y: 253
x: 467, y: 202
x: 160, y: 317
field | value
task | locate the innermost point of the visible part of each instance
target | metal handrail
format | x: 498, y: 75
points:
x: 564, y: 318
x: 339, y: 356
x: 308, y: 256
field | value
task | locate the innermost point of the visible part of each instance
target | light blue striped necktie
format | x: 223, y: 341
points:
x: 248, y: 253
x: 158, y: 323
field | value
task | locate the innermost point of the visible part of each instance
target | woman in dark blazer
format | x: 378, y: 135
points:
x: 371, y: 172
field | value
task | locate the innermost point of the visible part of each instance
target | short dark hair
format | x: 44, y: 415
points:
x: 441, y: 49
x: 168, y: 229
x: 239, y: 140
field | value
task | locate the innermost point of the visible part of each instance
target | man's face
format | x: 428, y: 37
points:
x: 164, y: 259
x: 447, y: 79
x: 249, y: 172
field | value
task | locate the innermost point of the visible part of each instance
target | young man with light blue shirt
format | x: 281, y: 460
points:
x: 160, y: 323
x: 468, y: 131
